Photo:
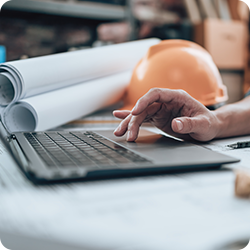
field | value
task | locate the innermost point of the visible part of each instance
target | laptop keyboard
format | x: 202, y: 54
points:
x: 65, y: 149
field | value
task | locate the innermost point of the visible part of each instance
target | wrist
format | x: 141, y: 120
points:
x: 221, y: 123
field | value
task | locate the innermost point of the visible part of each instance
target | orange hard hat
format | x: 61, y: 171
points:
x: 177, y: 64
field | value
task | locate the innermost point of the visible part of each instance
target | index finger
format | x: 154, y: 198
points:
x: 158, y: 95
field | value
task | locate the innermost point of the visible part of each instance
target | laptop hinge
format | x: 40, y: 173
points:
x: 18, y: 151
x: 4, y: 132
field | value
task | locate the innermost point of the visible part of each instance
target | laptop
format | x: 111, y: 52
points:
x: 52, y: 156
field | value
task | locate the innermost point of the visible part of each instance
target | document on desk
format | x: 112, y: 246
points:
x: 243, y: 154
x: 153, y: 213
x: 24, y: 80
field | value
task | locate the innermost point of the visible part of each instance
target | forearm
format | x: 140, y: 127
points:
x: 233, y: 119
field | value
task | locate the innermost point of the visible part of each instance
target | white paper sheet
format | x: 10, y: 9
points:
x: 150, y: 213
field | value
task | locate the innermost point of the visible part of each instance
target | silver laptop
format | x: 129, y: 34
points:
x: 69, y: 155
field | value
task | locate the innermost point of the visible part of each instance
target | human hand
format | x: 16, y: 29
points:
x: 173, y: 111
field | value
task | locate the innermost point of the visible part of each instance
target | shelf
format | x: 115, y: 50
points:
x: 83, y: 9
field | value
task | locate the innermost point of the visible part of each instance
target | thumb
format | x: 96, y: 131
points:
x: 186, y: 125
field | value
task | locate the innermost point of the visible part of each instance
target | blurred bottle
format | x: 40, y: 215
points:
x: 2, y: 54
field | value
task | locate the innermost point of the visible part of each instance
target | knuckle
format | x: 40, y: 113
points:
x: 155, y: 90
x: 208, y: 122
x: 156, y: 93
x: 132, y: 124
x: 190, y: 124
x: 182, y: 92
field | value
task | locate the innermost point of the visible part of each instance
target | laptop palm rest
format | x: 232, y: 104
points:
x: 170, y: 152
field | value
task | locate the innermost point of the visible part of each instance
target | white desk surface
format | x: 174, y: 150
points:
x: 192, y: 211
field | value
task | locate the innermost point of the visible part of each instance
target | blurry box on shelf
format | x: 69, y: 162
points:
x: 240, y: 11
x: 221, y: 28
x: 226, y: 41
x: 2, y: 54
x: 223, y: 32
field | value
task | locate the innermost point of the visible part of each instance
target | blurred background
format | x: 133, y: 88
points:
x: 31, y: 28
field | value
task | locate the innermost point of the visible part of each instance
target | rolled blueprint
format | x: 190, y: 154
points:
x: 44, y: 92
x: 57, y: 107
x: 30, y: 77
